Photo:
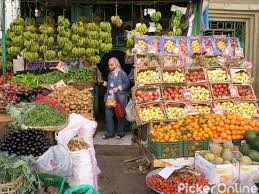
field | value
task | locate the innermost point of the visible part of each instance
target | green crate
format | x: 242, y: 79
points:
x: 51, y: 180
x: 166, y: 150
x: 191, y: 146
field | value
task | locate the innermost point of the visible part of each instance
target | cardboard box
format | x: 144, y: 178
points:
x: 225, y: 173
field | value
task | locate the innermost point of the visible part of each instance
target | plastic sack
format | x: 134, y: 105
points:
x: 84, y: 164
x: 82, y: 189
x: 55, y: 161
x: 119, y: 112
x: 130, y: 111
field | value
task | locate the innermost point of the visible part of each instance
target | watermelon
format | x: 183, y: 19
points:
x: 255, y: 143
x: 244, y: 149
x: 250, y: 136
x: 254, y: 155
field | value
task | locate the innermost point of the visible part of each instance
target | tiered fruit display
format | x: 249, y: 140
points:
x: 245, y: 92
x: 173, y: 93
x: 221, y: 91
x: 217, y: 75
x: 144, y: 95
x: 240, y: 77
x: 64, y: 38
x: 227, y: 106
x: 195, y: 75
x: 200, y: 93
x: 151, y: 112
x: 105, y: 35
x: 204, y: 126
x: 175, y: 76
x: 176, y: 23
x: 47, y: 42
x: 15, y: 39
x: 117, y: 21
x: 148, y: 77
x: 201, y: 109
x: 175, y: 112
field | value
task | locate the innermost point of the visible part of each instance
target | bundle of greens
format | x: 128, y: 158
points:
x: 44, y: 115
x: 13, y: 167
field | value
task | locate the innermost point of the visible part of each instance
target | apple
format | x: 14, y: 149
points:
x: 173, y: 93
x: 195, y: 75
x: 246, y: 92
x: 221, y: 91
x: 143, y: 95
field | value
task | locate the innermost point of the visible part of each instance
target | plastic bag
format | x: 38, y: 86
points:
x: 84, y: 164
x: 119, y: 112
x: 130, y: 111
x: 55, y: 161
x: 82, y: 189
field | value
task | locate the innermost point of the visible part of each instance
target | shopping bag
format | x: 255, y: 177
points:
x: 84, y: 164
x: 81, y: 189
x: 130, y: 111
x: 55, y: 161
x: 119, y: 111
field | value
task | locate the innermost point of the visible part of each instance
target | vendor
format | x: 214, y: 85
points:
x: 117, y: 86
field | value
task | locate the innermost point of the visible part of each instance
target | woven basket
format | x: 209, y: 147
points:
x: 12, y: 187
x: 82, y: 85
x: 49, y: 128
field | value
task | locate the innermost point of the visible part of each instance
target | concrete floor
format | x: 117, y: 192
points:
x: 118, y: 177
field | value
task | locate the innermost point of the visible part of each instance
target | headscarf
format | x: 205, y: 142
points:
x: 117, y: 66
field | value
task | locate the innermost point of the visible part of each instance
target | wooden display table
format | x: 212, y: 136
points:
x: 4, y: 118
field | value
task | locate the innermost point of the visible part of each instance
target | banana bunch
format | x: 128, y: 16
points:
x: 90, y: 52
x: 105, y: 37
x: 92, y: 27
x: 30, y: 56
x: 78, y: 28
x: 159, y: 28
x: 156, y: 16
x: 106, y: 47
x: 28, y: 43
x: 30, y: 22
x: 93, y: 35
x: 82, y: 19
x: 17, y: 30
x: 30, y: 28
x: 49, y: 55
x: 18, y: 21
x: 43, y: 48
x: 105, y: 27
x: 34, y: 47
x: 95, y: 59
x: 130, y: 42
x: 117, y: 21
x: 93, y: 43
x: 78, y: 52
x: 142, y: 29
x: 17, y: 41
x: 176, y: 23
x: 13, y: 50
x: 62, y: 41
x: 62, y: 21
x: 68, y: 46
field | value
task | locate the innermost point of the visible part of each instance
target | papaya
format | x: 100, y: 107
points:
x: 250, y: 136
x: 254, y: 155
x: 244, y: 149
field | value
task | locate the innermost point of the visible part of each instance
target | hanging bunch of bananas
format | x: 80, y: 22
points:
x: 117, y: 21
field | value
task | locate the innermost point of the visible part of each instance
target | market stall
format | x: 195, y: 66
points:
x: 195, y: 96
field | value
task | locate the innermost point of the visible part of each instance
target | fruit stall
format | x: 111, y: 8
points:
x: 194, y: 97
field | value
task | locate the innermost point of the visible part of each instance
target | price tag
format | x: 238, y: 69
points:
x: 218, y: 111
x: 187, y: 94
x: 167, y: 171
x: 233, y: 91
x: 239, y: 52
x: 62, y: 67
x: 59, y: 84
x: 150, y: 11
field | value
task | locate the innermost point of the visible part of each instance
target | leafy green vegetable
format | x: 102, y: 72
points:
x: 44, y: 115
x: 12, y: 167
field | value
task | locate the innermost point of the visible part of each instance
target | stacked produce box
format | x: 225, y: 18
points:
x: 191, y: 80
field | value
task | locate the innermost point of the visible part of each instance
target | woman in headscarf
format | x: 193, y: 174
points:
x: 117, y: 86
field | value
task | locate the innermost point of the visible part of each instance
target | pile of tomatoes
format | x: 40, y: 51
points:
x: 172, y: 184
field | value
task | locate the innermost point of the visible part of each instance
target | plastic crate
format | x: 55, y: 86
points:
x: 165, y: 150
x: 51, y: 180
x: 190, y: 147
